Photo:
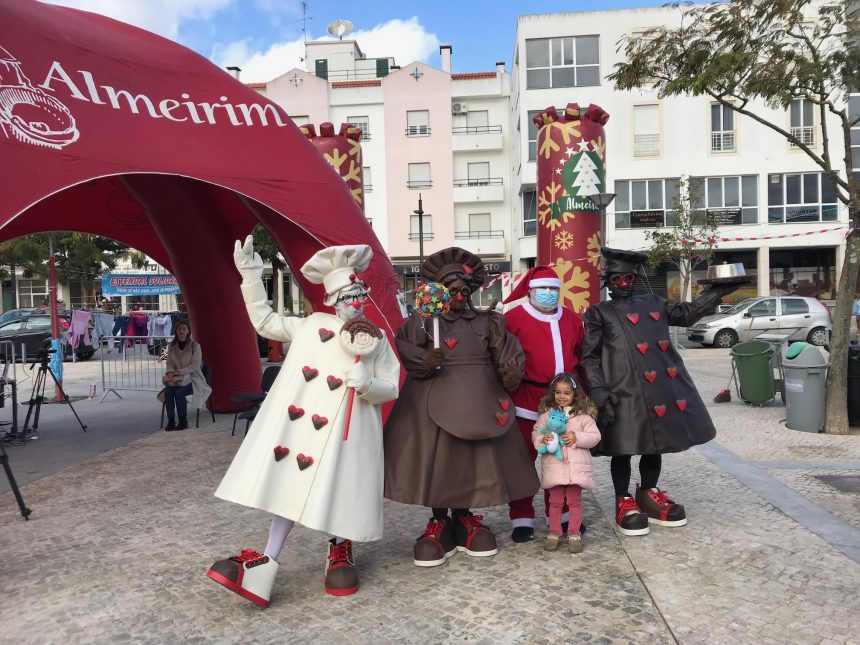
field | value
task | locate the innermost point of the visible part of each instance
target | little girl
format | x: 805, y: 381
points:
x: 566, y: 477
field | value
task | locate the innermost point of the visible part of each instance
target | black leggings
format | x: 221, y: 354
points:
x: 649, y: 472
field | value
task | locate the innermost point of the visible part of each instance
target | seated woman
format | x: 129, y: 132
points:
x: 184, y: 376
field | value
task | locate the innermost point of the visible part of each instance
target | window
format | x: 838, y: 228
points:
x: 646, y: 203
x: 417, y: 123
x: 32, y: 293
x: 802, y: 125
x: 727, y: 200
x: 300, y: 119
x: 529, y: 214
x: 646, y: 130
x: 368, y: 180
x: 15, y: 325
x: 479, y: 174
x: 763, y: 308
x: 37, y: 323
x: 794, y: 306
x: 477, y: 120
x: 419, y: 175
x: 562, y: 62
x: 427, y: 224
x: 321, y: 68
x: 722, y: 128
x: 854, y: 113
x: 361, y: 122
x: 533, y: 133
x: 806, y: 197
x: 479, y: 224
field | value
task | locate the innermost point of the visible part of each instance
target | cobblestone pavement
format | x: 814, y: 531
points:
x: 118, y: 546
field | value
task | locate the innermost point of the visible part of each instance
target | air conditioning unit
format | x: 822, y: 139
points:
x: 459, y: 108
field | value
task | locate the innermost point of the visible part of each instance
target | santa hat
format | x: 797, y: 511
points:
x: 335, y: 268
x: 539, y: 276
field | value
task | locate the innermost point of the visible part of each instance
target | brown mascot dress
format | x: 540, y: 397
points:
x: 451, y: 441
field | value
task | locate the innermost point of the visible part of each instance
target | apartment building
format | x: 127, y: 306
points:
x: 757, y: 184
x: 427, y: 133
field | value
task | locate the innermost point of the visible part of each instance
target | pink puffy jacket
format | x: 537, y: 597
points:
x: 576, y: 467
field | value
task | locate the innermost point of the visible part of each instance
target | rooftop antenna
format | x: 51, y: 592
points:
x: 305, y: 19
x: 340, y: 28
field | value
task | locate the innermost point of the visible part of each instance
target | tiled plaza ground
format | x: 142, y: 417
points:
x: 118, y: 545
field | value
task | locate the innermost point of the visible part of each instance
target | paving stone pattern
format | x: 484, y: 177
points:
x: 118, y: 546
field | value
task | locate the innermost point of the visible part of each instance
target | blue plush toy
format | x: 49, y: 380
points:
x: 556, y: 423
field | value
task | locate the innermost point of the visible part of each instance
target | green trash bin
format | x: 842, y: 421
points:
x: 805, y: 372
x: 752, y: 362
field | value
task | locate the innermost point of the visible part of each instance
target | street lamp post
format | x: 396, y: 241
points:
x: 420, y: 214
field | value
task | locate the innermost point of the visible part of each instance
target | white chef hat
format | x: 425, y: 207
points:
x: 336, y: 268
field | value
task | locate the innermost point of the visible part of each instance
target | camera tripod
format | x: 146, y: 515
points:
x: 38, y: 394
x: 4, y: 459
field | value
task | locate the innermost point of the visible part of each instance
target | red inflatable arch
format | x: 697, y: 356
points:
x: 112, y: 130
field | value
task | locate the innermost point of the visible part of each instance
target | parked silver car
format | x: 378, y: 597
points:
x: 798, y: 317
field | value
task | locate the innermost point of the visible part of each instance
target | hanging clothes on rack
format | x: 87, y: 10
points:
x: 138, y: 325
x: 159, y: 325
x: 79, y: 328
x: 120, y: 328
x: 102, y: 326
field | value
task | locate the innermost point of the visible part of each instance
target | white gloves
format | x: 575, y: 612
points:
x: 249, y: 264
x: 358, y: 377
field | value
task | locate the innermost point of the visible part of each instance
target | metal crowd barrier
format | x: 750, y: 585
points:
x: 133, y: 363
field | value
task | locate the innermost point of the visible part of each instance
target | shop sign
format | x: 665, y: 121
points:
x: 724, y: 216
x: 647, y: 219
x: 136, y: 284
x: 492, y: 268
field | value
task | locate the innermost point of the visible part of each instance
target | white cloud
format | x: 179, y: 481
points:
x: 160, y: 16
x: 405, y: 40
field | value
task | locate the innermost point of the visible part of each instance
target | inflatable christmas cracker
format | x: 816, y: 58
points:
x: 571, y: 161
x: 343, y: 153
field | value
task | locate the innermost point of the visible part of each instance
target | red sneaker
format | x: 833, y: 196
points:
x: 660, y: 509
x: 473, y: 537
x: 249, y: 574
x: 436, y: 545
x: 341, y: 576
x: 629, y: 520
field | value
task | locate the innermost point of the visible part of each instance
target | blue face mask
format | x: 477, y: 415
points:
x: 546, y: 298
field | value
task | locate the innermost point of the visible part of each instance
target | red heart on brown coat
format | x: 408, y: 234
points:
x: 334, y: 382
x: 450, y: 342
x: 309, y: 373
x: 294, y: 412
x: 672, y: 372
x: 281, y: 452
x: 655, y: 315
x: 318, y: 421
x: 326, y: 334
x: 642, y: 347
x: 304, y: 461
x: 634, y: 318
x: 502, y: 418
x: 659, y: 410
x: 682, y: 404
x: 504, y: 404
x: 663, y: 344
x: 651, y: 376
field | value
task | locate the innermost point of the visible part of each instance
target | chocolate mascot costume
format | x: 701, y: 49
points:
x: 648, y: 403
x: 550, y: 336
x: 451, y: 441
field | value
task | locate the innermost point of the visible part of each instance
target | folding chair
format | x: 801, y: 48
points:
x: 255, y: 398
x: 207, y: 374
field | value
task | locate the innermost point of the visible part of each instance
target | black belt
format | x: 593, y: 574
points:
x: 535, y: 383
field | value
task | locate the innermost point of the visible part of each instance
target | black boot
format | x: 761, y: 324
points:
x: 183, y: 423
x: 171, y: 426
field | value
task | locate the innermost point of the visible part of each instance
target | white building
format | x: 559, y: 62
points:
x: 764, y: 185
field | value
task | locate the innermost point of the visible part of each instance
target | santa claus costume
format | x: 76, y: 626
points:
x: 550, y: 337
x: 297, y: 462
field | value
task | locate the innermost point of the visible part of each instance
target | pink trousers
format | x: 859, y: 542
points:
x: 558, y: 495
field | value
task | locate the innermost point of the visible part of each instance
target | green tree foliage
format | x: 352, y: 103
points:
x: 268, y: 249
x: 755, y: 56
x: 689, y: 242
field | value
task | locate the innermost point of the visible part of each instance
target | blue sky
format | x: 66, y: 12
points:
x: 264, y: 36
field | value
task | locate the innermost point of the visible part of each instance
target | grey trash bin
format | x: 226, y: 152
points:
x: 780, y: 345
x: 805, y: 372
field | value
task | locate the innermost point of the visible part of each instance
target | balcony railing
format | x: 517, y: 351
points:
x: 477, y: 129
x: 428, y: 235
x: 365, y: 134
x: 477, y: 235
x: 419, y: 183
x: 723, y: 141
x: 483, y: 181
x: 646, y: 145
x: 417, y: 130
x: 806, y: 135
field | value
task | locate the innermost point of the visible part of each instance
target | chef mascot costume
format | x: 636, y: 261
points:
x: 550, y: 336
x: 300, y: 461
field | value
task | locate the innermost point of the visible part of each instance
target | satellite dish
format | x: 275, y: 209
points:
x: 340, y: 28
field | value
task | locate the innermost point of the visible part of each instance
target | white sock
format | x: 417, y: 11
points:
x: 281, y: 528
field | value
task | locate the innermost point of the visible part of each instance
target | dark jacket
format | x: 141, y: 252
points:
x: 626, y: 350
